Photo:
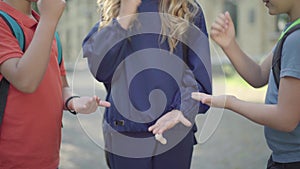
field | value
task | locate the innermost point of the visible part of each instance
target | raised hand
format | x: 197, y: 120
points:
x: 222, y: 30
x: 51, y: 10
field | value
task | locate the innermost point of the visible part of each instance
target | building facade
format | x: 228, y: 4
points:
x: 257, y: 31
x: 78, y: 18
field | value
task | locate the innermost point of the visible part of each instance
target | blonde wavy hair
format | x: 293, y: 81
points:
x: 175, y: 14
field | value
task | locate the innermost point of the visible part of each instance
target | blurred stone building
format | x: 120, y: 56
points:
x: 78, y: 18
x: 257, y: 31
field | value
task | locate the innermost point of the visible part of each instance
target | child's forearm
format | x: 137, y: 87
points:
x: 35, y: 60
x: 27, y: 72
x: 264, y: 114
x: 245, y: 66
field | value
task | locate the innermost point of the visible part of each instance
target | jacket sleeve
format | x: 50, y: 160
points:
x: 197, y: 78
x: 105, y: 50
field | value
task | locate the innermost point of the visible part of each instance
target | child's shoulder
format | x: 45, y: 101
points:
x: 293, y: 40
x: 291, y: 49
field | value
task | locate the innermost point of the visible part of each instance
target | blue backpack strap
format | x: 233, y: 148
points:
x: 59, y: 48
x: 15, y: 29
x: 19, y: 34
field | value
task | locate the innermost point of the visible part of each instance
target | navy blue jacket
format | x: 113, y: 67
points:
x: 142, y: 78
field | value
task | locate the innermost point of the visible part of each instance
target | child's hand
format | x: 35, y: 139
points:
x: 86, y: 105
x: 222, y: 30
x: 127, y: 10
x: 214, y: 101
x: 168, y: 121
x: 51, y: 10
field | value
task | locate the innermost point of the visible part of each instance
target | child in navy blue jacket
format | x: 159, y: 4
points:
x: 150, y: 63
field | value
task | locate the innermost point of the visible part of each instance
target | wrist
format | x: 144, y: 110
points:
x: 125, y: 19
x: 125, y: 22
x: 229, y: 102
x: 126, y: 12
x: 69, y: 104
x: 232, y: 43
x: 49, y: 21
x: 176, y: 111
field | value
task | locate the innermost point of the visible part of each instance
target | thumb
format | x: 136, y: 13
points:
x: 185, y: 121
x: 104, y: 103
